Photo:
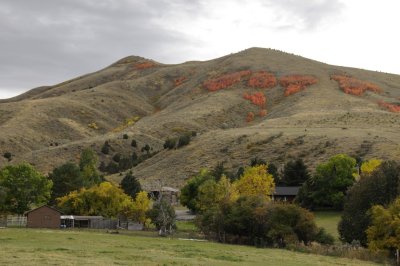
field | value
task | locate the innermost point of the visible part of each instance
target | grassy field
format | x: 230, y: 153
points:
x: 328, y: 220
x: 64, y: 247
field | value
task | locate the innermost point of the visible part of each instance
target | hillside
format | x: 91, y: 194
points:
x: 302, y: 108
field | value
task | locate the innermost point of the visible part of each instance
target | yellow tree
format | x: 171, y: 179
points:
x: 141, y: 205
x: 256, y: 181
x: 211, y: 193
x: 384, y: 233
x: 369, y: 166
x: 104, y: 199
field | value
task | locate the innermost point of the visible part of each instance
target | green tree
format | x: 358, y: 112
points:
x: 130, y: 185
x: 295, y: 173
x: 384, y: 232
x: 87, y: 165
x: 327, y: 188
x: 189, y: 192
x: 382, y: 186
x: 25, y: 188
x: 163, y: 216
x: 104, y: 199
x: 65, y: 178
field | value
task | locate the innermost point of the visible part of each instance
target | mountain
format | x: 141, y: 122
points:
x: 256, y: 103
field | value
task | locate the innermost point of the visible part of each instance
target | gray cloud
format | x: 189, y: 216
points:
x: 305, y: 14
x: 48, y: 41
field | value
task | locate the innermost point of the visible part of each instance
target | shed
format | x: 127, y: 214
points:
x: 285, y: 193
x: 77, y: 221
x: 43, y: 217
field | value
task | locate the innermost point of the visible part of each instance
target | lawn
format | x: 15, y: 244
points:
x: 328, y: 220
x: 65, y: 247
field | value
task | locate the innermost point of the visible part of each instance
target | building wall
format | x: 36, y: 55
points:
x: 43, y: 217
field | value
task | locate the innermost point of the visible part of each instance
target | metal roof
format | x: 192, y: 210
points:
x: 80, y: 217
x: 286, y: 191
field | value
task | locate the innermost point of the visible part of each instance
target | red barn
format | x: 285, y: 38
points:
x: 43, y: 217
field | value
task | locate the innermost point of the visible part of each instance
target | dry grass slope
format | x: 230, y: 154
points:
x: 50, y: 125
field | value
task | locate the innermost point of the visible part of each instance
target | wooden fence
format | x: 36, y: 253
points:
x: 16, y: 221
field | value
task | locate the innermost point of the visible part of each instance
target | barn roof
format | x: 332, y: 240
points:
x: 286, y: 191
x: 47, y: 206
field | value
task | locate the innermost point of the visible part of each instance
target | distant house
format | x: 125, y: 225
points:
x: 43, y: 217
x: 285, y: 193
x: 168, y: 193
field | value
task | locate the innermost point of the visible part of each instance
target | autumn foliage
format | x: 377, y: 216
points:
x: 257, y: 98
x: 262, y: 79
x: 225, y: 81
x: 250, y: 116
x: 179, y: 81
x: 355, y: 86
x: 296, y: 83
x: 262, y: 113
x: 390, y: 106
x: 144, y: 65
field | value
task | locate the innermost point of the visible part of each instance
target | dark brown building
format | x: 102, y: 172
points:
x: 286, y: 194
x: 43, y: 217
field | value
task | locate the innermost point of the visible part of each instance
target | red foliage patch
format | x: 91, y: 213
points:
x: 262, y: 79
x: 257, y: 98
x: 390, y: 106
x: 144, y: 65
x: 179, y: 81
x: 225, y: 81
x: 262, y: 113
x: 355, y: 86
x: 296, y: 83
x: 250, y: 116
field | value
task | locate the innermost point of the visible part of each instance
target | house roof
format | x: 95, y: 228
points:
x: 42, y: 207
x: 286, y: 191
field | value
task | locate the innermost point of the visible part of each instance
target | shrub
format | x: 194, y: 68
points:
x: 116, y: 157
x: 125, y: 136
x: 179, y: 81
x: 170, y: 143
x: 250, y: 117
x: 355, y: 86
x: 262, y: 113
x: 133, y: 143
x: 106, y: 148
x: 183, y: 141
x: 257, y: 98
x: 93, y: 125
x: 7, y: 155
x: 146, y: 148
x: 262, y: 79
x: 225, y: 81
x: 144, y: 65
x: 296, y: 83
x: 395, y: 108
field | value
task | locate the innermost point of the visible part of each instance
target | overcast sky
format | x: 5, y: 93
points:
x: 43, y: 42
